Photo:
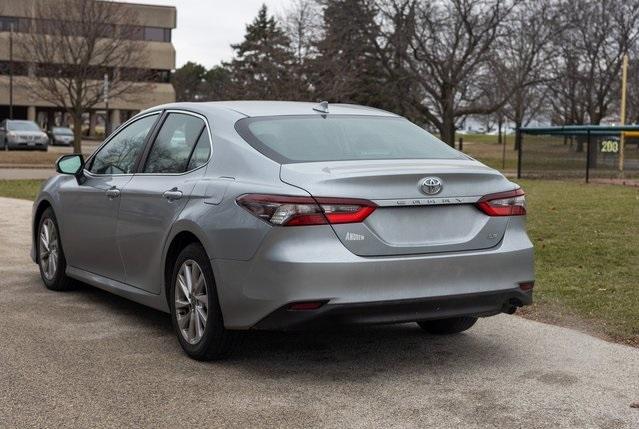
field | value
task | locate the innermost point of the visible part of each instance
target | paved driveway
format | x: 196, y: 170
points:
x: 89, y: 359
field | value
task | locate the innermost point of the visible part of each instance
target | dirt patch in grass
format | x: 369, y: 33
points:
x: 560, y: 315
x: 17, y: 159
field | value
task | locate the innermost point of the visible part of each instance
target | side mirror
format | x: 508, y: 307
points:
x: 71, y: 164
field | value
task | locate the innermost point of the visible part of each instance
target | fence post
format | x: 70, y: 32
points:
x: 461, y: 144
x: 588, y: 157
x: 519, y: 143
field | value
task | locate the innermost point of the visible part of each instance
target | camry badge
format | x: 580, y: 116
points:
x: 430, y: 185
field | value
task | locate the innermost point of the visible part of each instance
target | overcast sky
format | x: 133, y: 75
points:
x: 206, y: 28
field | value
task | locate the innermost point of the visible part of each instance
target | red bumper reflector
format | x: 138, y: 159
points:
x: 526, y: 285
x: 302, y: 306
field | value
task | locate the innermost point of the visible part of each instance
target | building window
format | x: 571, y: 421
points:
x: 154, y: 34
x: 6, y: 21
x: 19, y: 68
x: 151, y: 34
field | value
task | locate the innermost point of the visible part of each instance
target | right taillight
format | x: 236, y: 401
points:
x: 510, y: 203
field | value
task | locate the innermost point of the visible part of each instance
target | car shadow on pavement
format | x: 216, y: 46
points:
x: 338, y: 352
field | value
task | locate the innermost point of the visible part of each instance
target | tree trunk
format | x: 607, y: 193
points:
x: 447, y: 129
x: 518, y: 136
x: 77, y: 132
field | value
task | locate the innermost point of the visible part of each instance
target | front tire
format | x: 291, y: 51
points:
x: 195, y: 309
x: 51, y: 260
x: 450, y: 326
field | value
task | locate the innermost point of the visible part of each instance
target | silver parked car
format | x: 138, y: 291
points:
x: 281, y: 215
x: 19, y: 134
x: 62, y: 136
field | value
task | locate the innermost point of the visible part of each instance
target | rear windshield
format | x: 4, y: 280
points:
x: 62, y: 131
x: 22, y: 126
x: 288, y: 139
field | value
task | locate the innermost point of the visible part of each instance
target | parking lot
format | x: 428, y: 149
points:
x: 89, y: 359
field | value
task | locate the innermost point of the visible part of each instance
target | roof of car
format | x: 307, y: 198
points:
x: 277, y: 108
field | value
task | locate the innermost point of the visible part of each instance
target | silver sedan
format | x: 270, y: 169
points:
x: 278, y: 215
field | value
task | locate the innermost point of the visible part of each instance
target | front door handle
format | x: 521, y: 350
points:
x: 113, y: 193
x: 173, y: 194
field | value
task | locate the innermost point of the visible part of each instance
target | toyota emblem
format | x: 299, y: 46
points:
x: 431, y: 185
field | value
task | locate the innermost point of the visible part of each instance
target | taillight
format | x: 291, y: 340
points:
x: 511, y: 203
x: 296, y: 211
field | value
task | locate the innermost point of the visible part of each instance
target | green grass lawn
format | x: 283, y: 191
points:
x: 587, y: 252
x: 586, y: 248
x: 23, y: 189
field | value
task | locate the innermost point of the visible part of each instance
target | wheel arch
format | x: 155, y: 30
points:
x: 178, y: 242
x: 37, y: 215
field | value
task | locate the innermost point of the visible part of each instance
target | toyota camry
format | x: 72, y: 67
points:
x: 281, y: 215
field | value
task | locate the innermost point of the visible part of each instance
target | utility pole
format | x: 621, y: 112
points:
x: 11, y: 70
x: 106, y: 105
x: 622, y: 136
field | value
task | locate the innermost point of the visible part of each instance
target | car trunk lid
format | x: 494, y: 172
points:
x: 408, y: 221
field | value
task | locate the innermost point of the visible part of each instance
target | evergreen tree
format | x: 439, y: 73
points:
x: 187, y: 81
x: 348, y: 67
x: 263, y: 65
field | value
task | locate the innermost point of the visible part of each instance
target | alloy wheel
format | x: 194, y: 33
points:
x: 191, y: 301
x: 49, y: 249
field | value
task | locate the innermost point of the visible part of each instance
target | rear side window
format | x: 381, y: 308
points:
x: 121, y: 153
x: 178, y: 142
x: 315, y: 138
x: 201, y: 152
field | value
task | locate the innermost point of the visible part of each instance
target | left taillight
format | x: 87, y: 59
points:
x: 510, y: 203
x: 286, y: 210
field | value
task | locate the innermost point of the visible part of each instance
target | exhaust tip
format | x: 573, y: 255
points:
x: 511, y: 306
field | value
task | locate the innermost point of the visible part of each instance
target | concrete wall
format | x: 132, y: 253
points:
x: 159, y: 55
x: 147, y: 96
x: 148, y: 15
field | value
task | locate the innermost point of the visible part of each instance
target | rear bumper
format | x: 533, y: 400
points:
x: 311, y: 264
x: 474, y: 304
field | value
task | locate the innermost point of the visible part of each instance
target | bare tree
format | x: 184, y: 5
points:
x: 633, y: 90
x: 449, y: 57
x: 302, y: 22
x: 521, y: 58
x: 598, y: 33
x: 72, y: 44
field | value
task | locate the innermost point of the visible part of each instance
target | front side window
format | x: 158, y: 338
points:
x: 120, y: 154
x: 315, y: 138
x: 178, y: 142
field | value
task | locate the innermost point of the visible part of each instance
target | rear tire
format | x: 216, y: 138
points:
x: 51, y: 260
x: 450, y: 326
x: 195, y: 309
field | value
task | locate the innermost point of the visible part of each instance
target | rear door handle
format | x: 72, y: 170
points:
x: 173, y: 194
x: 113, y: 193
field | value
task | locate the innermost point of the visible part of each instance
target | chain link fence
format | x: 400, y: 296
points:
x: 584, y: 152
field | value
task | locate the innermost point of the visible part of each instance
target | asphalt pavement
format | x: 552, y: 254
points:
x: 89, y: 359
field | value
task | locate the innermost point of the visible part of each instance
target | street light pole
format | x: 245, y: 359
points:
x: 11, y: 70
x: 106, y: 105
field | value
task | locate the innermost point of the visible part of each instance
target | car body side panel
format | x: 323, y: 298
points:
x: 89, y: 224
x: 144, y: 220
